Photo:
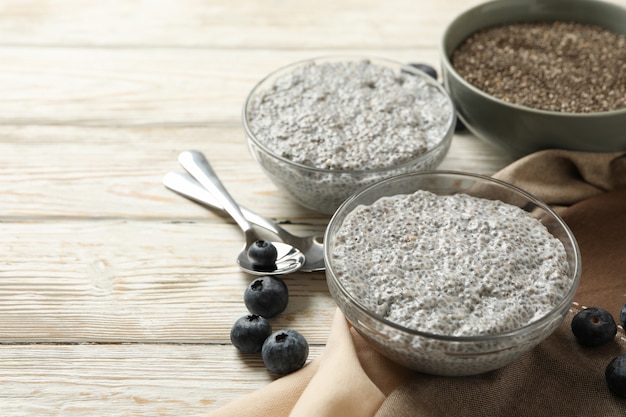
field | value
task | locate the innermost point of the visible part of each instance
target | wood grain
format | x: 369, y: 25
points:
x: 120, y: 281
x: 125, y: 379
x: 146, y: 86
x: 241, y: 25
x: 71, y: 172
x: 117, y: 295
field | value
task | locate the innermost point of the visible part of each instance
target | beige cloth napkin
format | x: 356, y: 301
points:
x: 561, y: 178
x: 557, y: 378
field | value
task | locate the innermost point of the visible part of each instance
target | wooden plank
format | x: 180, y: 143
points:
x: 244, y: 24
x: 52, y: 171
x: 126, y: 380
x: 67, y: 172
x: 156, y: 86
x: 120, y: 281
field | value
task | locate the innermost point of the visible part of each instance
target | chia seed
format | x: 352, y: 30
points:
x: 460, y: 266
x: 349, y: 115
x: 334, y: 127
x: 557, y: 66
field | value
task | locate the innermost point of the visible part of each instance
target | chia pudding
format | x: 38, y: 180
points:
x: 449, y: 266
x: 323, y: 129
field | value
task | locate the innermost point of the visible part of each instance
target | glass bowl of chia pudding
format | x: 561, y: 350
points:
x: 532, y: 75
x: 324, y: 128
x: 450, y: 273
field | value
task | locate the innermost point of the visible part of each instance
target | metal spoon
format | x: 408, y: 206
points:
x: 289, y: 258
x: 311, y: 246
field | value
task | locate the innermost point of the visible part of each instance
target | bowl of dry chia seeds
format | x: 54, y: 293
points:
x: 450, y: 273
x: 531, y: 75
x: 324, y: 128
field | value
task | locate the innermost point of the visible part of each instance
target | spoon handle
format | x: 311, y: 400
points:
x: 186, y: 186
x: 196, y: 164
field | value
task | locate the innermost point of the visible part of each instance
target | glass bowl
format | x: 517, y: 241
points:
x: 435, y: 352
x: 323, y: 189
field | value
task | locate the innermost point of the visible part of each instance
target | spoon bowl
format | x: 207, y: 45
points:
x: 311, y: 246
x: 289, y: 258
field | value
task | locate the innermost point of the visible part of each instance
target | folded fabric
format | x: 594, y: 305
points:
x: 561, y: 178
x: 557, y: 378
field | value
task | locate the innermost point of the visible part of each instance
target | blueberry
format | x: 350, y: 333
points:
x: 285, y: 351
x: 266, y: 296
x: 263, y: 255
x: 622, y: 316
x: 249, y: 332
x: 594, y: 326
x: 615, y: 375
x: 428, y: 69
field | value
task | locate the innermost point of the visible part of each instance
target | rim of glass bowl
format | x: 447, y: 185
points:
x: 443, y: 142
x: 562, y: 305
x: 519, y: 107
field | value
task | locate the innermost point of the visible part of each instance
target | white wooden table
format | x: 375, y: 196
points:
x: 116, y: 295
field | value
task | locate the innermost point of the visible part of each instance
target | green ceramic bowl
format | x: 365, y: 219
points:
x: 522, y: 130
